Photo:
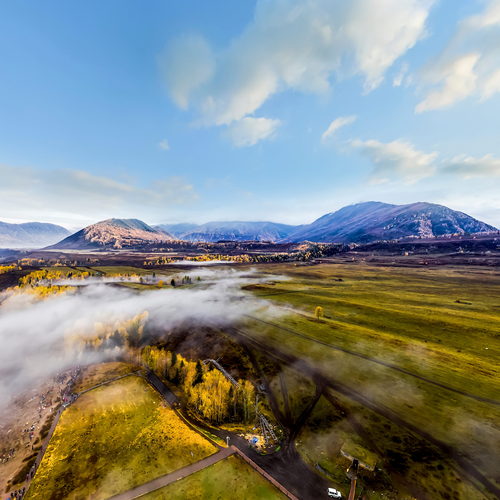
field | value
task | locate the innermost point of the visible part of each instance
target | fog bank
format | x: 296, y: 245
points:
x: 34, y: 333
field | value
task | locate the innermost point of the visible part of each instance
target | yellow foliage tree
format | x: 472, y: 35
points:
x: 318, y: 312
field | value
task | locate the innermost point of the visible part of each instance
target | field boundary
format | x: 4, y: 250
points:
x: 263, y: 473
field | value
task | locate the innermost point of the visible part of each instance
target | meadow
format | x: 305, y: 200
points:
x: 413, y: 354
x: 112, y: 439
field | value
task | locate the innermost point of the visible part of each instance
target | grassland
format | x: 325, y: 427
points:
x: 113, y: 439
x: 440, y: 324
x: 226, y: 480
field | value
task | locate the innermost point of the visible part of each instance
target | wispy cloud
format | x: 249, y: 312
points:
x: 399, y: 159
x: 291, y: 44
x: 469, y: 65
x: 164, y: 145
x: 248, y: 131
x: 72, y: 195
x: 337, y: 124
x: 402, y: 78
x: 468, y: 167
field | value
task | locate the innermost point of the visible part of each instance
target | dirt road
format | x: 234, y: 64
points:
x: 165, y: 480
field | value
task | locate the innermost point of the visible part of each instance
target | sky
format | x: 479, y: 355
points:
x: 279, y: 110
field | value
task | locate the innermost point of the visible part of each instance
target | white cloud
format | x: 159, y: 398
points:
x: 402, y: 77
x: 292, y: 44
x: 187, y: 64
x: 458, y: 80
x: 336, y: 124
x: 397, y: 158
x: 469, y: 65
x: 400, y: 159
x: 68, y: 196
x: 248, y: 131
x: 468, y: 167
x: 164, y: 145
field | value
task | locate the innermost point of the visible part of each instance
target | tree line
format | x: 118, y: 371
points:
x: 208, y: 392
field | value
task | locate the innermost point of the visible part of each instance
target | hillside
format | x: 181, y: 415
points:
x: 372, y: 221
x: 232, y: 230
x: 114, y: 233
x: 30, y: 234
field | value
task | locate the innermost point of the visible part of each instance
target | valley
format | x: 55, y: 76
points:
x: 397, y: 370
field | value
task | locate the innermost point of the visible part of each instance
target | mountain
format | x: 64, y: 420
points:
x: 372, y: 221
x: 114, y: 233
x: 30, y: 234
x: 177, y: 230
x: 233, y: 230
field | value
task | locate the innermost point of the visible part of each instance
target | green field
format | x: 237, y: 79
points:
x: 112, y: 439
x: 410, y: 319
x: 226, y: 480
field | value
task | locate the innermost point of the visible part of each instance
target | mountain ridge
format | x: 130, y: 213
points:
x: 230, y: 230
x: 374, y: 221
x: 30, y: 234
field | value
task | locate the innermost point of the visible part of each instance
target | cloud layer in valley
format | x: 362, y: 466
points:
x: 34, y: 334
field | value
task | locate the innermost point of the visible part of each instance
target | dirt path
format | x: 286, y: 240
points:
x: 378, y: 361
x: 165, y: 480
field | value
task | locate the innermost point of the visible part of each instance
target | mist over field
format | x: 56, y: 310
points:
x: 35, y: 334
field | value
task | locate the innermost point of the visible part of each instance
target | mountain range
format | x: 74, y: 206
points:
x: 233, y: 231
x: 30, y: 234
x: 359, y: 223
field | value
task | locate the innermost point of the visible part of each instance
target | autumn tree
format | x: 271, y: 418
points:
x: 318, y: 312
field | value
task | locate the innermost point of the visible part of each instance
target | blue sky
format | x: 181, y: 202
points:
x: 197, y: 111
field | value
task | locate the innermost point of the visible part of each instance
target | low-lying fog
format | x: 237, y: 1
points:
x: 33, y: 331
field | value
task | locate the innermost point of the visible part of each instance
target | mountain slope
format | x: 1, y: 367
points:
x: 372, y: 221
x: 114, y: 233
x: 232, y: 230
x: 30, y: 234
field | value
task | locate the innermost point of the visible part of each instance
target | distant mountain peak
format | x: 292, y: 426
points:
x: 115, y: 233
x: 30, y: 234
x: 372, y: 221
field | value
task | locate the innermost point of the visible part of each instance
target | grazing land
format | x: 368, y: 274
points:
x: 231, y: 478
x: 113, y: 439
x: 409, y: 358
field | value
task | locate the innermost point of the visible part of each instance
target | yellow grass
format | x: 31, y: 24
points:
x: 112, y: 439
